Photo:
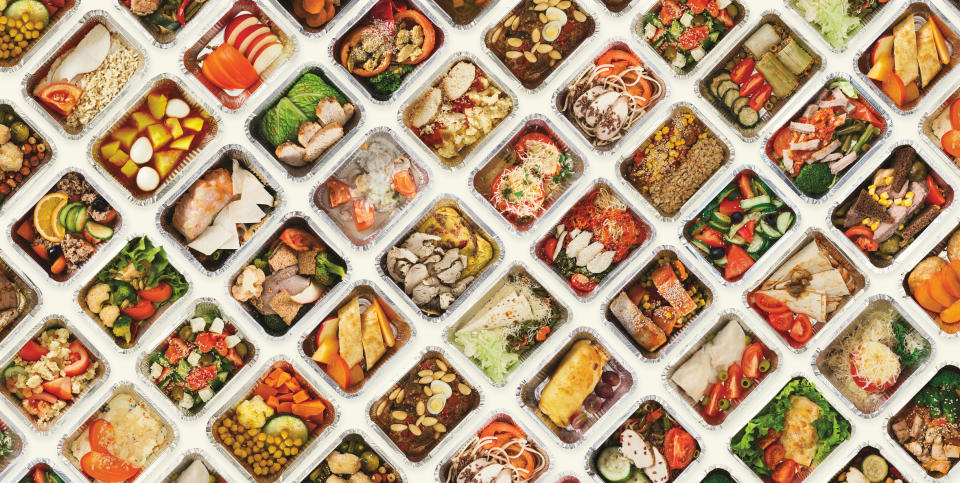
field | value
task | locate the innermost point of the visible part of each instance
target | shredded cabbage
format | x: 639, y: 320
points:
x: 490, y: 350
x: 831, y: 16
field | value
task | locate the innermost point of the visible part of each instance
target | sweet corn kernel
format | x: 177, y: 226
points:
x: 909, y: 195
x: 874, y: 226
x: 908, y: 203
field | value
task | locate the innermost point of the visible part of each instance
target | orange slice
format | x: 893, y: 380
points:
x: 45, y: 217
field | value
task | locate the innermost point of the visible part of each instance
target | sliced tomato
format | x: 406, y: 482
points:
x: 106, y: 467
x: 935, y: 194
x: 61, y: 97
x: 801, y: 330
x: 40, y: 404
x: 782, y: 141
x: 729, y: 207
x: 865, y: 112
x: 769, y: 304
x: 38, y: 476
x: 692, y: 38
x: 79, y: 359
x: 710, y: 236
x: 404, y: 184
x: 338, y: 192
x: 234, y: 357
x: 549, y: 247
x: 299, y: 240
x: 177, y: 349
x: 101, y: 436
x: 785, y: 472
x: 363, y: 214
x: 741, y: 72
x: 158, y: 294
x: 781, y: 321
x: 734, y: 375
x: 32, y: 351
x: 200, y: 377
x: 955, y: 113
x: 738, y: 262
x: 208, y: 341
x: 752, y: 84
x: 143, y: 310
x: 713, y: 401
x: 773, y: 455
x: 750, y: 360
x: 759, y: 98
x: 722, y: 16
x: 59, y: 387
x: 678, y: 448
x: 697, y: 6
x: 582, y: 283
x: 743, y: 182
x: 867, y: 244
x: 747, y: 230
x: 858, y: 230
x: 670, y: 11
x: 950, y: 142
x: 611, y: 57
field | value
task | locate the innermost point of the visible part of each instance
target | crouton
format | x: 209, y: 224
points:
x: 281, y: 258
x: 284, y: 306
x: 308, y: 262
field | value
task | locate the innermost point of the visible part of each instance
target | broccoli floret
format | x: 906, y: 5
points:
x: 388, y: 81
x: 121, y: 291
x: 274, y: 324
x: 814, y: 179
x: 122, y: 329
x: 328, y: 272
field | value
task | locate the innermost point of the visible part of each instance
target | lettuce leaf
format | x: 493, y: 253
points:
x: 489, y: 349
x: 832, y: 18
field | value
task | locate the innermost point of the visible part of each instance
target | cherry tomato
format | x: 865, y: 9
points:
x: 751, y: 85
x: 79, y: 359
x: 768, y: 439
x: 734, y: 375
x: 39, y: 476
x: 785, y: 472
x: 106, y: 467
x: 338, y: 192
x: 773, y: 455
x: 951, y: 142
x: 549, y: 247
x: 781, y: 321
x: 750, y: 361
x: 143, y: 310
x: 858, y: 230
x: 866, y: 244
x: 955, y: 113
x: 802, y: 330
x: 713, y: 401
x: 160, y: 293
x: 581, y: 283
x: 363, y: 214
x: 742, y: 70
x: 177, y: 349
x: 59, y: 387
x: 678, y: 448
x: 61, y: 97
x: 299, y: 240
x: 759, y: 98
x: 934, y: 194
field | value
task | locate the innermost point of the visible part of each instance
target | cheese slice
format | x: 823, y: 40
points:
x: 373, y: 347
x: 225, y: 223
x: 253, y: 190
x: 351, y: 345
x: 505, y: 308
x: 214, y: 237
x: 243, y: 211
x: 927, y: 57
x: 237, y: 176
x: 905, y: 51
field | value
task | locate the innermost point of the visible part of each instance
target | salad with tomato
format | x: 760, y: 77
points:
x: 501, y: 448
x: 198, y: 359
x: 132, y: 290
x: 683, y: 31
x: 49, y: 373
x: 649, y: 446
x: 739, y: 225
x: 791, y: 435
x: 595, y: 236
x: 41, y: 473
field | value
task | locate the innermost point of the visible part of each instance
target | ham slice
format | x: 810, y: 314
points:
x: 842, y: 163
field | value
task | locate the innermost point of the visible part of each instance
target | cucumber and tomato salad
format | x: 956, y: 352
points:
x: 740, y: 225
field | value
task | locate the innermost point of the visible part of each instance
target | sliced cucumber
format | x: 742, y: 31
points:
x: 726, y: 192
x: 62, y: 216
x: 778, y: 202
x: 638, y: 476
x: 718, y: 225
x: 612, y: 465
x: 756, y: 200
x: 735, y: 239
x: 295, y: 427
x: 721, y: 217
x: 729, y: 97
x: 71, y: 217
x: 784, y: 222
x: 98, y: 231
x: 747, y: 117
x: 80, y: 218
x: 739, y: 104
x: 763, y: 208
x: 720, y: 262
x: 768, y: 231
x: 703, y: 247
x: 757, y: 244
x: 875, y: 468
x: 726, y: 86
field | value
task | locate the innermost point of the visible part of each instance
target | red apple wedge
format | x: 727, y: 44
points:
x: 883, y: 46
x: 237, y: 25
x: 248, y: 34
x: 258, y: 43
x: 265, y: 56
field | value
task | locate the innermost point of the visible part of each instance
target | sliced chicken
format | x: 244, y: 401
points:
x: 583, y: 103
x: 612, y: 119
x: 328, y: 136
x: 578, y: 243
x: 600, y: 106
x: 329, y: 111
x: 588, y: 253
x: 291, y: 153
x: 458, y: 79
x: 307, y: 131
x: 424, y: 109
x: 197, y: 207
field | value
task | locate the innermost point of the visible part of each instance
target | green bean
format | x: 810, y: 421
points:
x: 867, y: 134
x: 847, y: 142
x: 848, y: 129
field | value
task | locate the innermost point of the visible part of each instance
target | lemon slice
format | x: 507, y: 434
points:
x: 45, y: 217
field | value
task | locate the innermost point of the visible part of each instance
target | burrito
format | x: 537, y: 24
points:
x: 643, y: 330
x: 809, y: 258
x: 573, y: 380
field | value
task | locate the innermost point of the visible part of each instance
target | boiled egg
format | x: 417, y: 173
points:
x: 551, y: 30
x: 554, y: 14
x: 177, y: 108
x: 141, y: 151
x: 148, y: 179
x: 436, y: 404
x: 441, y: 388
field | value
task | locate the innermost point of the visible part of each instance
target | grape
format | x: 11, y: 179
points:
x: 604, y: 390
x: 611, y: 378
x: 579, y: 420
x: 593, y: 403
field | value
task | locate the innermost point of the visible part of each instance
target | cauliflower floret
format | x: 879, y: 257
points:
x: 11, y: 158
x: 253, y: 413
x: 109, y: 315
x: 249, y: 284
x: 96, y: 296
x: 4, y: 133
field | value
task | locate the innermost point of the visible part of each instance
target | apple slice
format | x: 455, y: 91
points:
x: 246, y: 36
x: 883, y: 46
x: 308, y: 295
x: 882, y: 68
x: 894, y: 89
x: 262, y: 59
x: 259, y: 42
x: 326, y: 350
x: 237, y: 25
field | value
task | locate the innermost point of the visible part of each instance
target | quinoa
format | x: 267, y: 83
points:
x: 678, y: 159
x: 104, y: 84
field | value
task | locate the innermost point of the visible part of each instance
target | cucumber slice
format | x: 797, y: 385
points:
x: 637, y: 476
x: 98, y: 231
x: 784, y: 221
x: 747, y: 117
x: 703, y: 247
x: 777, y: 202
x: 612, y: 465
x: 720, y: 262
x: 35, y: 10
x: 71, y: 217
x: 768, y: 231
x: 875, y: 468
x: 721, y: 217
x: 756, y: 245
x: 735, y: 239
x: 756, y: 200
x: 80, y: 219
x: 295, y: 427
x: 62, y: 216
x: 763, y: 208
x: 718, y: 225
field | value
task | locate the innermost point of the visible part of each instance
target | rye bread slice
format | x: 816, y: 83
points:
x: 866, y: 207
x: 913, y: 227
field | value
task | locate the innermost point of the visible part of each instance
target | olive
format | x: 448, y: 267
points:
x: 736, y: 217
x: 764, y: 365
x: 185, y: 332
x: 918, y: 171
x: 242, y: 349
x: 771, y: 219
x: 722, y: 375
x: 890, y: 246
x: 670, y: 52
x: 699, y: 20
x: 746, y: 383
x: 176, y: 393
x: 724, y: 404
x: 732, y: 10
x: 369, y: 461
x: 716, y: 253
x: 54, y: 252
x: 206, y: 359
x: 100, y: 204
x: 19, y: 132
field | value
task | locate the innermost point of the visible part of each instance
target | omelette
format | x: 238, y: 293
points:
x: 799, y: 438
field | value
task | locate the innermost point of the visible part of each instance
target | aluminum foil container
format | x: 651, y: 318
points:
x: 331, y: 444
x: 930, y: 129
x: 906, y: 296
x: 29, y: 299
x: 186, y: 459
x: 55, y: 26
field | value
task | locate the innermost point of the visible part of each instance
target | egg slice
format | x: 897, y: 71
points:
x: 556, y: 15
x: 436, y: 403
x: 441, y: 388
x: 148, y: 179
x: 551, y: 30
x: 141, y: 151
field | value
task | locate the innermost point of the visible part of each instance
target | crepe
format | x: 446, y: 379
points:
x: 643, y: 330
x: 504, y: 309
x: 829, y: 283
x: 810, y: 258
x: 927, y: 56
x: 573, y: 380
x: 799, y: 438
x: 373, y: 347
x: 814, y: 304
x: 726, y: 347
x: 905, y: 51
x: 693, y: 376
x: 351, y: 346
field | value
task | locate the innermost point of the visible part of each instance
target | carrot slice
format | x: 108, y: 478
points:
x: 951, y: 280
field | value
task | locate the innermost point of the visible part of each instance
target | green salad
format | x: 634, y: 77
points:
x: 767, y: 430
